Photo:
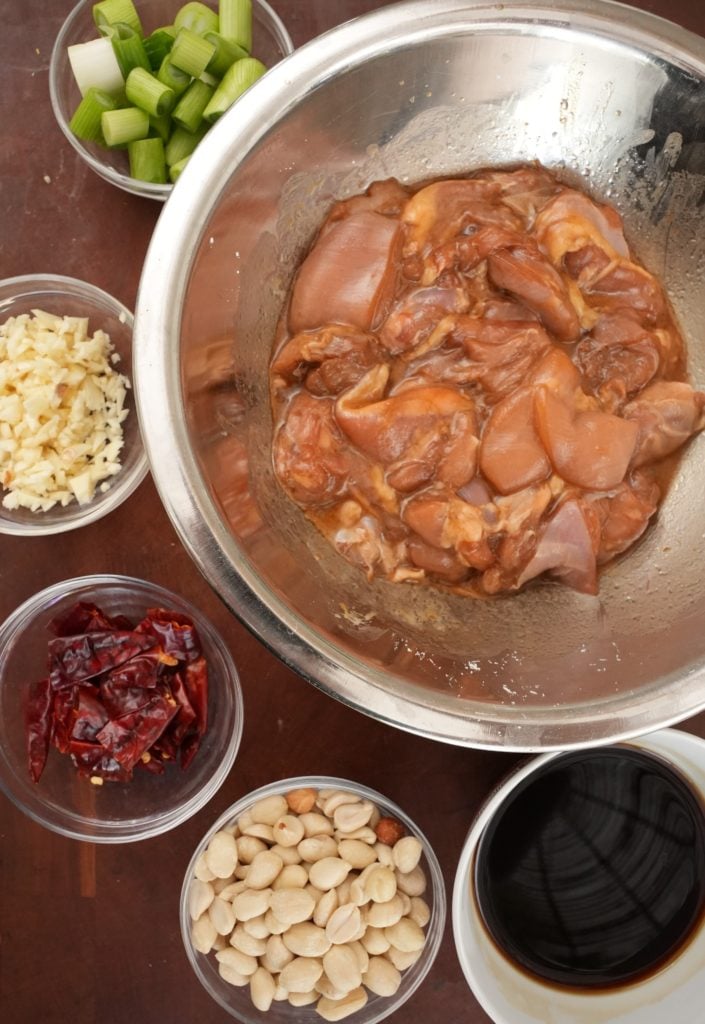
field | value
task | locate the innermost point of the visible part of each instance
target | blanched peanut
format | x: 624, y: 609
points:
x: 413, y: 882
x: 382, y: 915
x: 256, y: 926
x: 316, y: 824
x: 402, y: 961
x: 303, y: 998
x: 259, y: 830
x: 375, y: 941
x: 201, y: 869
x: 325, y: 906
x: 276, y: 954
x: 232, y: 977
x: 232, y: 889
x: 325, y: 987
x: 338, y: 1010
x: 315, y: 848
x: 291, y: 876
x: 344, y: 890
x: 241, y: 871
x: 203, y: 934
x: 407, y: 853
x: 268, y: 810
x: 328, y: 872
x: 221, y: 855
x: 385, y: 854
x: 361, y: 954
x: 222, y: 916
x: 364, y: 835
x: 262, y: 987
x: 288, y: 830
x: 357, y: 853
x: 301, y: 974
x: 306, y: 939
x: 290, y: 906
x: 381, y: 977
x: 275, y: 926
x: 342, y: 968
x: 288, y: 854
x: 248, y: 847
x: 405, y: 935
x: 380, y: 885
x: 336, y: 800
x: 343, y: 924
x: 263, y: 870
x: 301, y: 800
x: 221, y: 941
x: 200, y: 896
x: 237, y: 960
x: 350, y: 817
x: 246, y: 943
x: 251, y: 903
x: 280, y: 994
x: 419, y: 911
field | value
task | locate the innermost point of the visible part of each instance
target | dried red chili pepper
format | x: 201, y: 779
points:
x: 118, y: 698
x: 38, y: 717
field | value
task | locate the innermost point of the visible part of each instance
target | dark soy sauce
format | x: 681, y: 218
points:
x: 592, y: 873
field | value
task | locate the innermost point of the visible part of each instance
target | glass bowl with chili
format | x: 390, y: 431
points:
x: 120, y: 709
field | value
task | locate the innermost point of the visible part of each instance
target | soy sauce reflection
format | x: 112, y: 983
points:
x: 592, y: 873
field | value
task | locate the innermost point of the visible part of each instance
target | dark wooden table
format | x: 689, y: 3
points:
x: 90, y: 933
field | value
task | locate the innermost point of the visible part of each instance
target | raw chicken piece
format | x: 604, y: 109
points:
x: 359, y: 538
x: 511, y: 454
x: 625, y: 514
x: 444, y: 209
x: 526, y: 274
x: 310, y: 454
x: 618, y: 358
x: 328, y: 360
x: 446, y: 522
x: 464, y: 253
x: 348, y: 277
x: 416, y: 314
x: 572, y: 220
x: 589, y: 448
x: 526, y: 190
x: 566, y: 548
x: 613, y: 284
x: 558, y: 372
x: 666, y: 414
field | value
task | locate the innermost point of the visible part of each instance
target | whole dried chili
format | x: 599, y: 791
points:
x: 117, y: 697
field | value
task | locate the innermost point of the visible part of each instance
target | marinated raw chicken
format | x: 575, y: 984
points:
x: 478, y: 386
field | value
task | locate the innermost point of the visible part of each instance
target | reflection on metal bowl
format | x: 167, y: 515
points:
x: 608, y: 97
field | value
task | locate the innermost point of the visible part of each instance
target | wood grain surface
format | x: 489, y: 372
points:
x: 90, y: 933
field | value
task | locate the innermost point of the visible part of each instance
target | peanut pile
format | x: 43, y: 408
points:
x: 311, y: 897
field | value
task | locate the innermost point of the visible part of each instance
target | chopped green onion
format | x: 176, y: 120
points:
x: 148, y: 93
x: 188, y: 112
x: 209, y: 80
x: 160, y: 126
x: 147, y: 161
x: 191, y: 53
x: 124, y: 125
x: 175, y: 78
x: 95, y: 66
x: 85, y: 123
x: 226, y: 53
x: 176, y: 169
x: 158, y: 45
x: 198, y: 17
x: 109, y: 12
x: 182, y: 142
x: 236, y: 22
x: 129, y: 49
x: 236, y: 80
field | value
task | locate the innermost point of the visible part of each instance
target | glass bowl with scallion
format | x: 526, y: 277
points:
x: 136, y: 84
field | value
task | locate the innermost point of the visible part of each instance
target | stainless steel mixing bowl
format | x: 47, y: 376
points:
x: 609, y: 96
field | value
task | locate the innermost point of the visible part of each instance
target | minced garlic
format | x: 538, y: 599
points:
x: 61, y: 411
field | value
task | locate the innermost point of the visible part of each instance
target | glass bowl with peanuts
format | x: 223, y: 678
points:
x: 312, y: 899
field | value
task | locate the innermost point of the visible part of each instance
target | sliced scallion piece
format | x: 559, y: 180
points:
x: 191, y: 53
x: 175, y: 78
x: 85, y: 123
x: 188, y: 112
x: 95, y: 66
x: 236, y: 22
x: 145, y: 91
x: 110, y: 12
x: 158, y: 45
x: 182, y: 143
x: 124, y: 125
x: 176, y: 169
x: 161, y: 126
x: 236, y: 80
x: 198, y: 17
x: 147, y: 161
x: 226, y: 53
x: 129, y: 49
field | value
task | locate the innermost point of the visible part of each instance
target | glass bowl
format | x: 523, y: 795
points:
x: 271, y: 42
x: 65, y: 295
x: 113, y: 812
x: 236, y: 1000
